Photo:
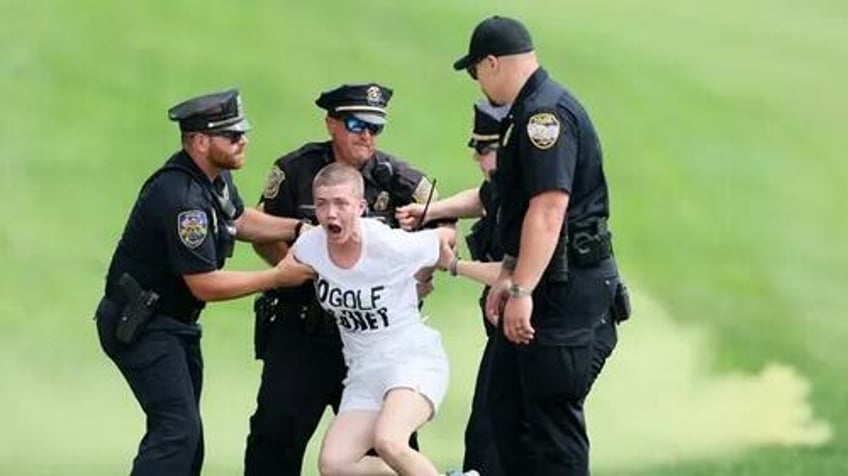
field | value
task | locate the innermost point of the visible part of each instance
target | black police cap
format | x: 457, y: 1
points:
x: 221, y: 111
x: 496, y: 36
x: 365, y: 101
x: 487, y: 123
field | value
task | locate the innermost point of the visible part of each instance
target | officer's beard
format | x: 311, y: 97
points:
x: 226, y: 160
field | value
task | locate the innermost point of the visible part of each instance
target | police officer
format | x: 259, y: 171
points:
x: 299, y: 344
x: 554, y: 295
x: 484, y: 247
x: 167, y: 265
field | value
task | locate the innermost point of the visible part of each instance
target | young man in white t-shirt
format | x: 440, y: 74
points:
x: 397, y: 369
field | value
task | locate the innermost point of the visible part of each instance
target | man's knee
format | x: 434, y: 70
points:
x: 271, y: 423
x: 180, y: 432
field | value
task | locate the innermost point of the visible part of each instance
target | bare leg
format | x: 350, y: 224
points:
x: 403, y: 411
x: 349, y: 437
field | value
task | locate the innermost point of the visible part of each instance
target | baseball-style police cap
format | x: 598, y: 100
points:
x: 496, y: 36
x: 366, y: 102
x: 487, y: 124
x: 214, y: 112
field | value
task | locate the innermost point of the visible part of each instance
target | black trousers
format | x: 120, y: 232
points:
x: 480, y: 451
x: 537, y: 391
x: 164, y: 369
x: 302, y: 374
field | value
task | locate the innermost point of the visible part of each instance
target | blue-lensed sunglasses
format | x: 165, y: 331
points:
x: 354, y: 125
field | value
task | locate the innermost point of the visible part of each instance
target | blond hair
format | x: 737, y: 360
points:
x: 338, y: 173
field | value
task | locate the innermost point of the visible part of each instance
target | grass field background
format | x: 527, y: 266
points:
x: 722, y: 129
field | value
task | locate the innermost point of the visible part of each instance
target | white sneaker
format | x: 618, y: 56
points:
x: 455, y: 472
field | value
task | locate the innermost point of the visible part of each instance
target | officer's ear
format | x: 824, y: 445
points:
x: 195, y: 141
x: 331, y: 124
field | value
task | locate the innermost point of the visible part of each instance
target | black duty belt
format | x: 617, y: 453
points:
x: 586, y: 245
x: 180, y: 313
x: 310, y: 317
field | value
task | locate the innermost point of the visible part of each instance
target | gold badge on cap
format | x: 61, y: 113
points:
x: 374, y: 96
x: 382, y: 202
x: 272, y: 185
x: 543, y: 130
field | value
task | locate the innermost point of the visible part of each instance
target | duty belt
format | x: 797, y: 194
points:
x: 162, y: 306
x: 584, y: 246
x: 312, y: 319
x: 589, y: 243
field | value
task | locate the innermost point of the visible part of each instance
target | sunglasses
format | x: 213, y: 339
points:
x: 233, y: 136
x: 354, y: 125
x: 472, y: 68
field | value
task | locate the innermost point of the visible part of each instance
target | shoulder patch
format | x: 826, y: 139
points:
x: 543, y: 130
x: 272, y: 184
x: 192, y: 226
x: 422, y: 191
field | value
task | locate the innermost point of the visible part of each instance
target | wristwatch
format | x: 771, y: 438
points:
x: 517, y: 291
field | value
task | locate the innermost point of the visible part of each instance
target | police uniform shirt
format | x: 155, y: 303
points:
x: 375, y: 302
x: 485, y: 229
x: 389, y: 183
x: 176, y: 228
x: 548, y: 143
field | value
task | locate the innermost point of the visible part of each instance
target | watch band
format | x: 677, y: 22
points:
x: 517, y: 291
x: 453, y: 264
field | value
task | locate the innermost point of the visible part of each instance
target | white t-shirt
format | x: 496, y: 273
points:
x: 374, y: 302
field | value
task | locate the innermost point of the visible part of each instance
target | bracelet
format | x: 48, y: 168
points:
x: 453, y: 264
x: 297, y: 229
x: 517, y: 291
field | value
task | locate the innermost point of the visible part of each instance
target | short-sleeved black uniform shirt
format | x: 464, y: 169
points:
x: 177, y: 226
x: 548, y: 143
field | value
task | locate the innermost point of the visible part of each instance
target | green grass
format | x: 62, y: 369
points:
x: 721, y: 124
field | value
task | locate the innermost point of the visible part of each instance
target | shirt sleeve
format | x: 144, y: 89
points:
x: 303, y: 247
x: 412, y: 183
x: 548, y: 152
x: 278, y: 195
x: 419, y: 249
x: 186, y: 220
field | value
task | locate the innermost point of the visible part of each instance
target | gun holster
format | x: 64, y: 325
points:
x: 620, y: 307
x: 265, y: 311
x: 139, y: 308
x: 589, y: 243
